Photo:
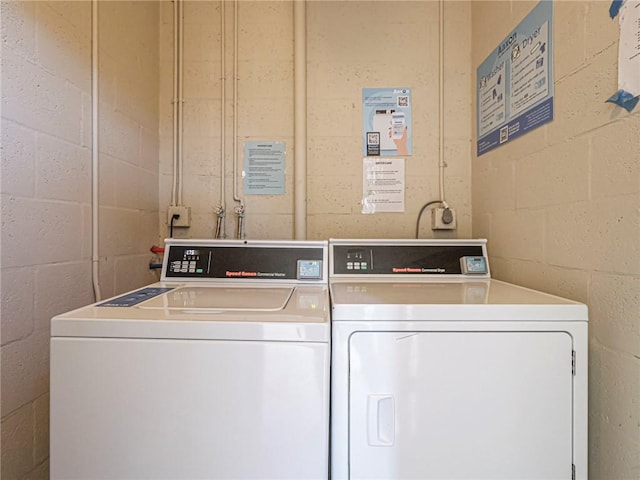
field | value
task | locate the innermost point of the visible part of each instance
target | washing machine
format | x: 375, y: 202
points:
x: 440, y: 372
x: 219, y: 371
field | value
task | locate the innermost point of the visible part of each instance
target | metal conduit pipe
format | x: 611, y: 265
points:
x: 240, y: 211
x: 300, y: 120
x: 441, y: 162
x: 95, y: 207
x: 220, y: 211
x: 174, y: 187
x: 180, y: 96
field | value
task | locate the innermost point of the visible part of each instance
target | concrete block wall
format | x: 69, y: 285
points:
x: 560, y: 207
x: 350, y: 46
x: 46, y: 189
x: 356, y: 45
x: 265, y: 111
x: 129, y: 143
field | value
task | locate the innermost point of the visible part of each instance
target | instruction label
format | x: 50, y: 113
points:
x: 383, y: 185
x: 264, y: 164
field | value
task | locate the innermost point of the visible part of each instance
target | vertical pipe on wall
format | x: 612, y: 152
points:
x: 441, y: 163
x: 300, y: 120
x: 180, y: 95
x: 174, y: 187
x: 236, y: 196
x: 220, y: 228
x: 95, y: 206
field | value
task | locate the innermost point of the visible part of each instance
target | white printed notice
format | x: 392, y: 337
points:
x: 264, y: 168
x: 629, y: 50
x: 515, y: 82
x: 382, y: 185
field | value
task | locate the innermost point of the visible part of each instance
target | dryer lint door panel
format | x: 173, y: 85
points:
x: 460, y: 405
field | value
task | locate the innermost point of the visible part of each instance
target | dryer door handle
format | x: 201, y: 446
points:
x: 381, y: 419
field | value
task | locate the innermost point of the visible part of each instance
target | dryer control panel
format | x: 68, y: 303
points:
x: 244, y: 260
x: 404, y: 257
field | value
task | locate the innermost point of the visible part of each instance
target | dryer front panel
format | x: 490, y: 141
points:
x: 460, y: 405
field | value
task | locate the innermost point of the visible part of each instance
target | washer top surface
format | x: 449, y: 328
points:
x: 276, y: 291
x: 294, y: 313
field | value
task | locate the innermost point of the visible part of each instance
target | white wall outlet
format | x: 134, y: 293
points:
x: 443, y: 219
x: 185, y: 216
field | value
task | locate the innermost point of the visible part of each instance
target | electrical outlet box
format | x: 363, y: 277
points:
x: 443, y: 219
x: 185, y: 216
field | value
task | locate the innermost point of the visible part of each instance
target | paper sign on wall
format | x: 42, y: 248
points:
x: 382, y: 185
x: 264, y: 168
x: 628, y: 93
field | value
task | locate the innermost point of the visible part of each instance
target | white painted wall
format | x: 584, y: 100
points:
x: 46, y: 188
x: 561, y: 209
x: 350, y: 46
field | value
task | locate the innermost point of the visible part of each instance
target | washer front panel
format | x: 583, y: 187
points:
x: 184, y: 409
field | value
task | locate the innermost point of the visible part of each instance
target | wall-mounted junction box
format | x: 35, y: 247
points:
x: 185, y: 216
x: 443, y: 219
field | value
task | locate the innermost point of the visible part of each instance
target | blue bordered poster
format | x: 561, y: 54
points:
x: 515, y: 82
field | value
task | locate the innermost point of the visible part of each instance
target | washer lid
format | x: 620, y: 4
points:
x: 209, y: 297
x: 283, y: 313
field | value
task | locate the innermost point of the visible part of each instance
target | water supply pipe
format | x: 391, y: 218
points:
x: 220, y: 211
x: 240, y: 210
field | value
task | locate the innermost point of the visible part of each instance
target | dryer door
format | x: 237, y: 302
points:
x: 460, y: 405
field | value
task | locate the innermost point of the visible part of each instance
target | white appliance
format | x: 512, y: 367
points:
x: 219, y: 371
x: 440, y: 372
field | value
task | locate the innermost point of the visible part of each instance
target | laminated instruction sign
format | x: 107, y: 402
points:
x: 386, y: 122
x: 264, y: 168
x: 515, y: 83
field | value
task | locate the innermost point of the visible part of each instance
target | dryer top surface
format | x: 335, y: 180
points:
x: 460, y: 300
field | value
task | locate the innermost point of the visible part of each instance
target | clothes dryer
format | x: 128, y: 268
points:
x: 219, y: 371
x: 440, y: 372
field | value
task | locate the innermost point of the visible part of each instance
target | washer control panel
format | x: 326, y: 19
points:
x: 189, y: 262
x: 242, y: 260
x: 134, y: 298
